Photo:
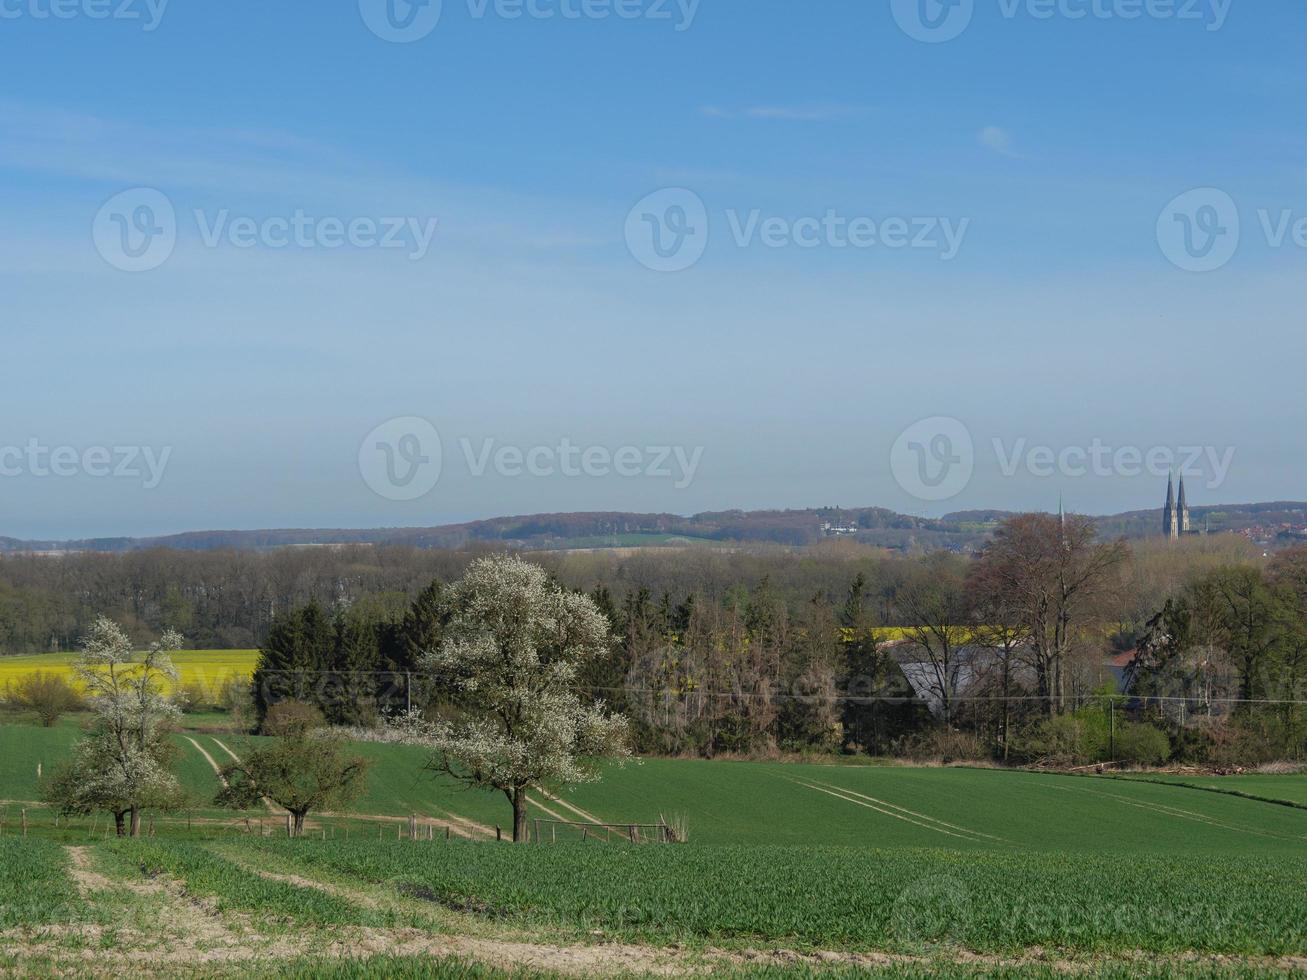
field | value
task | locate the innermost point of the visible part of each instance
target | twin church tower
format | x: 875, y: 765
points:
x: 1175, y: 518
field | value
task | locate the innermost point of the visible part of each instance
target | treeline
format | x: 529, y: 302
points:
x: 1233, y: 641
x: 1005, y: 655
x: 230, y: 599
x: 217, y: 600
x: 836, y: 647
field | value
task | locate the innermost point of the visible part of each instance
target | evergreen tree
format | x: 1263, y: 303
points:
x: 420, y: 632
x: 350, y: 696
x: 294, y: 659
x: 603, y: 677
x: 423, y: 626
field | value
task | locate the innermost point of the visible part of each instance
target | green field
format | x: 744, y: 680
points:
x: 799, y: 804
x: 1287, y: 789
x: 920, y: 865
x: 872, y: 898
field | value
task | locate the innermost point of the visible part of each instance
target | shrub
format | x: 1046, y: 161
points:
x: 1249, y: 741
x: 238, y: 702
x: 287, y: 717
x: 195, y: 697
x: 1064, y: 740
x: 1142, y: 744
x: 1086, y: 737
x: 49, y: 695
x: 945, y: 745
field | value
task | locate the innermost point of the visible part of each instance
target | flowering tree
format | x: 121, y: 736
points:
x: 511, y: 653
x: 121, y: 765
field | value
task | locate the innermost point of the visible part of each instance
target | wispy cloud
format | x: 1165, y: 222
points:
x: 788, y: 113
x: 999, y: 141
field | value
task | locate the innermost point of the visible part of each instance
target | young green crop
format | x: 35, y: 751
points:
x: 35, y: 887
x: 864, y: 898
x: 236, y: 888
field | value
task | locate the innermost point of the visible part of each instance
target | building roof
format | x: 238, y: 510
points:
x: 1124, y: 659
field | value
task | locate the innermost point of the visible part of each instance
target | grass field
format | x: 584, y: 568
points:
x: 1289, y: 789
x: 797, y: 804
x: 890, y: 870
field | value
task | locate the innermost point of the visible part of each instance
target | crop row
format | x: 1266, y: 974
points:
x: 237, y: 888
x: 899, y: 899
x: 35, y: 887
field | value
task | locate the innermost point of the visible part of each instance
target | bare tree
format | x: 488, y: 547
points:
x: 931, y: 601
x: 1055, y: 578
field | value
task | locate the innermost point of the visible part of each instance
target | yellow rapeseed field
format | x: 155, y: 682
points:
x: 211, y: 670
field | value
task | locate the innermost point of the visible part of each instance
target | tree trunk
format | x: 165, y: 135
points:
x: 135, y: 822
x: 1007, y: 703
x: 120, y: 822
x: 519, y: 815
x: 297, y: 829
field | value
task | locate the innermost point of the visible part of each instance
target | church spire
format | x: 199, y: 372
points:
x: 1170, y: 526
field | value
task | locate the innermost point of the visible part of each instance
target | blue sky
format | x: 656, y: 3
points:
x: 1054, y: 143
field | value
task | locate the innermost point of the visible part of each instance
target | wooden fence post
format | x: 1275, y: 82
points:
x: 499, y: 833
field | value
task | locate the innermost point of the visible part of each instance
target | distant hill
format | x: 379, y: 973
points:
x: 1272, y: 523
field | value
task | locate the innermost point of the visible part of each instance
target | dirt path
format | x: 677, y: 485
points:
x: 194, y: 932
x: 585, y: 815
x: 86, y: 880
x: 962, y: 835
x: 192, y: 919
x: 470, y: 826
x: 903, y: 809
x: 217, y: 769
x: 544, y: 809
